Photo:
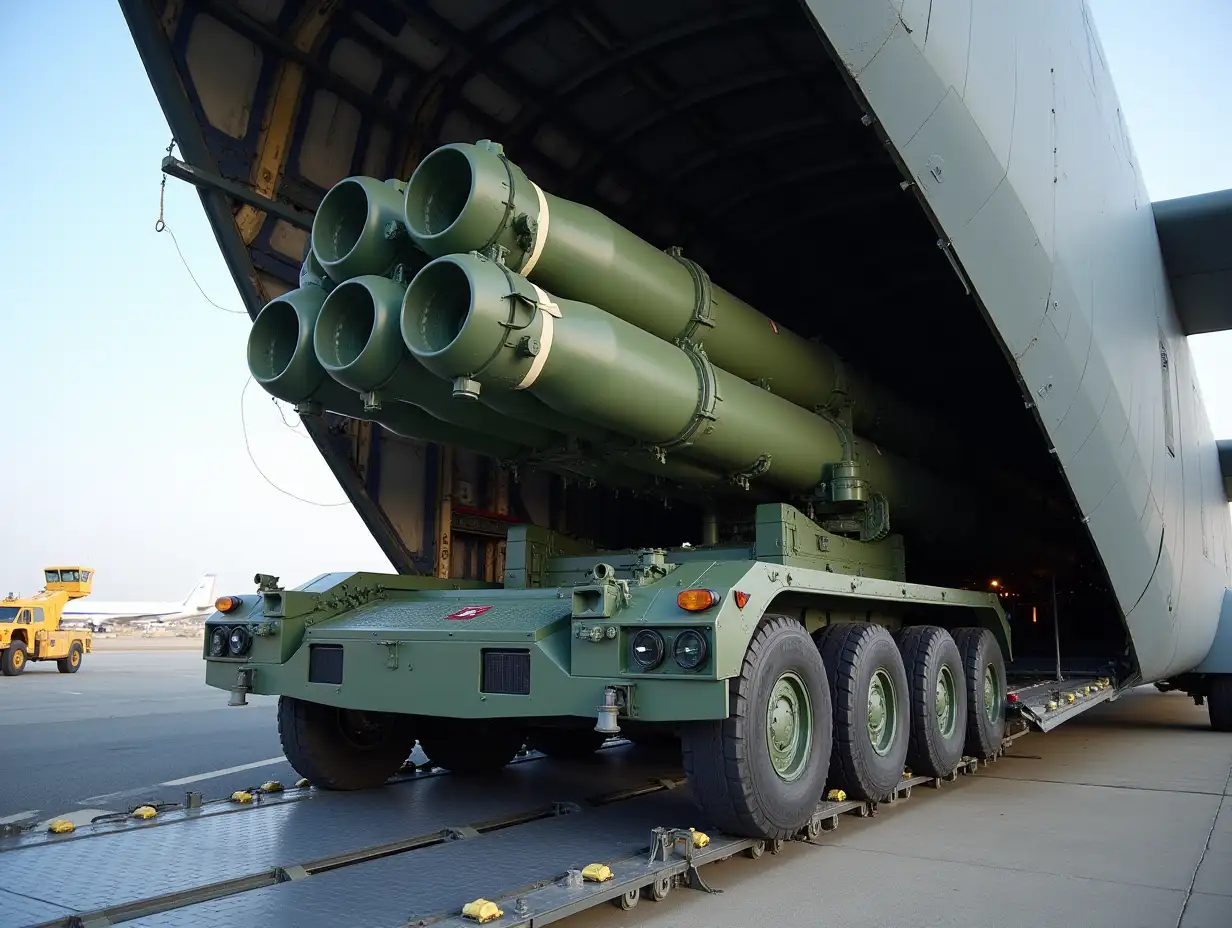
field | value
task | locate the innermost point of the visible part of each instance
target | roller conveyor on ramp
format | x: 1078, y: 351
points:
x: 414, y: 853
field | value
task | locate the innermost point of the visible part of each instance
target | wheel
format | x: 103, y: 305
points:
x: 760, y: 772
x: 1219, y: 702
x: 72, y: 663
x: 872, y: 719
x: 13, y: 659
x: 627, y: 900
x: 659, y: 889
x: 984, y: 668
x: 566, y: 743
x: 938, y: 692
x: 343, y: 749
x: 470, y: 746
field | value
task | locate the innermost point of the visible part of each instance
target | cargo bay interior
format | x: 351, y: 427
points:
x: 724, y: 128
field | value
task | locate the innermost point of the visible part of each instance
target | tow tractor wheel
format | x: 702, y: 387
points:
x: 470, y: 746
x: 13, y: 659
x: 343, y: 749
x: 566, y: 743
x: 872, y: 718
x: 72, y: 663
x: 1219, y: 702
x: 985, y: 671
x: 938, y: 693
x: 760, y: 772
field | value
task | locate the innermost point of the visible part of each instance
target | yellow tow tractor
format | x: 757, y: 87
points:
x: 30, y: 626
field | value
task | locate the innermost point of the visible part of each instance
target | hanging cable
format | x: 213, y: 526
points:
x: 160, y: 225
x: 293, y: 426
x: 248, y: 448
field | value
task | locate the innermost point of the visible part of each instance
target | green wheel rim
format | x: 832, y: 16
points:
x: 992, y: 693
x: 947, y: 714
x: 882, y: 712
x: 789, y: 726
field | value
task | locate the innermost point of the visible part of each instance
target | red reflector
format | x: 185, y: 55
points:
x: 1012, y: 697
x: 741, y: 598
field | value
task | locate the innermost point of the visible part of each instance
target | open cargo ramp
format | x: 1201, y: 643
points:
x: 414, y: 853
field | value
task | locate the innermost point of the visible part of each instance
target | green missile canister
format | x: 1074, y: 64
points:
x: 358, y: 230
x: 281, y: 359
x: 358, y: 343
x: 466, y: 316
x: 469, y: 197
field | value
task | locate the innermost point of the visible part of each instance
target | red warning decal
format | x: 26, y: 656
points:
x: 469, y: 612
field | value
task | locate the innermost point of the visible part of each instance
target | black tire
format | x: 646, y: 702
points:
x: 566, y: 743
x: 854, y: 653
x: 470, y: 746
x: 71, y: 663
x: 981, y: 653
x: 938, y: 731
x: 13, y: 659
x: 1219, y: 702
x: 337, y: 749
x: 728, y: 762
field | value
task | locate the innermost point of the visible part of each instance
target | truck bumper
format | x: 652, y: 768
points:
x: 472, y: 679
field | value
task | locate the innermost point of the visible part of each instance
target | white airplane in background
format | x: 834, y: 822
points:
x: 198, y: 603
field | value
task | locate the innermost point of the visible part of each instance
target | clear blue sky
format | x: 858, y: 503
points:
x: 121, y: 384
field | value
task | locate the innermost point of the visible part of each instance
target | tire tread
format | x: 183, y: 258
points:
x: 920, y: 646
x: 723, y: 790
x: 842, y: 646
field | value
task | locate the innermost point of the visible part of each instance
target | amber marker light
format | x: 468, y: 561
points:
x: 696, y: 600
x: 741, y: 598
x: 227, y: 603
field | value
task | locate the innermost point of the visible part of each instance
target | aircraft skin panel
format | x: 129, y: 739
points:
x: 1008, y: 122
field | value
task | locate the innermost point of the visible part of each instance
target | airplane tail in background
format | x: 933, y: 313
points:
x: 202, y: 596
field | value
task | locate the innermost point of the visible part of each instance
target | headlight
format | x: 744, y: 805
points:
x: 239, y: 640
x: 689, y: 649
x: 218, y: 640
x: 648, y: 648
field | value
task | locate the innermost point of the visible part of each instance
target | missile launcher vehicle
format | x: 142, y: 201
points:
x: 803, y: 382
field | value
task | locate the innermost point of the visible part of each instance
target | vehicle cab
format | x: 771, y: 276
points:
x: 76, y: 582
x: 30, y: 626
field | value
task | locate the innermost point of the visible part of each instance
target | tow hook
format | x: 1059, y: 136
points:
x: 613, y: 700
x: 243, y: 686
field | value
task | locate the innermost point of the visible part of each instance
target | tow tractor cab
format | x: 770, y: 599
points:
x: 74, y: 582
x: 30, y: 627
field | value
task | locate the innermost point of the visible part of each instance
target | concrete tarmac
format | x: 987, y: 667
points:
x: 1121, y: 818
x: 127, y: 728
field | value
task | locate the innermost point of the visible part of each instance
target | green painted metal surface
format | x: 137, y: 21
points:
x: 281, y: 359
x: 468, y: 197
x: 418, y: 645
x: 586, y: 351
x: 358, y: 230
x: 460, y: 321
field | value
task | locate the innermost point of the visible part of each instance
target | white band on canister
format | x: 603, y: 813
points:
x: 541, y: 233
x: 551, y: 312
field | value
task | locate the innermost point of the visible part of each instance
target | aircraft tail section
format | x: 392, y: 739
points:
x: 202, y: 595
